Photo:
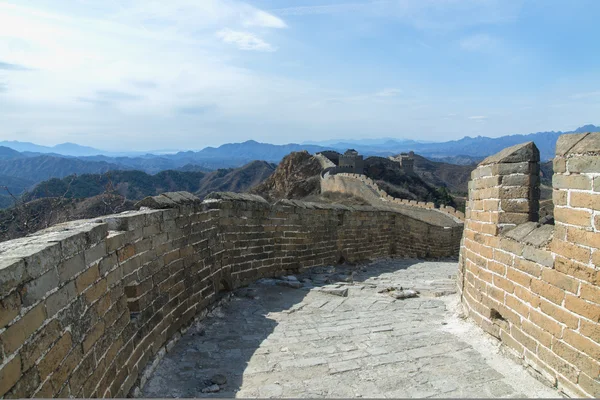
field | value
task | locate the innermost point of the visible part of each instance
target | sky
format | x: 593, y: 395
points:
x: 127, y: 75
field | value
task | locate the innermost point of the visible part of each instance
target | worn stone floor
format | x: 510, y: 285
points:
x: 311, y: 337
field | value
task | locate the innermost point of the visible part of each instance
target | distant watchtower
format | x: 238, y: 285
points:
x: 351, y: 162
x: 406, y: 160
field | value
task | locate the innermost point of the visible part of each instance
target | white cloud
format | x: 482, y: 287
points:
x: 263, y: 19
x: 478, y: 117
x: 244, y: 40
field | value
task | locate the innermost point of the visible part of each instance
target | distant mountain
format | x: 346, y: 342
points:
x: 477, y: 147
x: 458, y: 160
x: 254, y: 150
x: 344, y: 143
x: 6, y: 153
x: 135, y: 185
x: 38, y: 168
x: 69, y: 149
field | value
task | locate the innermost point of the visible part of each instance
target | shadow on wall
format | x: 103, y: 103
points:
x: 231, y: 336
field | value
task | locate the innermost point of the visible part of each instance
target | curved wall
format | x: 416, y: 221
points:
x: 537, y: 287
x: 85, y: 305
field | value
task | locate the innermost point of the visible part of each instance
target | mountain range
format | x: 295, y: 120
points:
x: 23, y: 164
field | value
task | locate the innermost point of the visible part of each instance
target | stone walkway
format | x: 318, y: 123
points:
x: 341, y: 332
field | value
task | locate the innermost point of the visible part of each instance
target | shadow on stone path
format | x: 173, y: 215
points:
x: 273, y: 340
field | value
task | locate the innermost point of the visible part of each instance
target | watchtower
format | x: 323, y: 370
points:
x: 351, y: 162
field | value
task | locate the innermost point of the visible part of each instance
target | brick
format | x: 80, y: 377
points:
x: 576, y: 269
x: 575, y: 357
x: 96, y: 291
x: 590, y: 385
x: 527, y: 296
x: 590, y: 293
x: 503, y: 257
x: 87, y: 278
x: 560, y: 280
x: 571, y: 182
x: 513, y: 218
x: 515, y: 205
x: 560, y: 197
x: 71, y: 267
x: 10, y: 374
x: 64, y: 370
x: 584, y: 164
x: 96, y: 253
x: 537, y: 333
x: 40, y: 343
x: 582, y: 307
x: 573, y: 217
x: 504, y: 284
x: 523, y: 339
x: 559, y: 165
x: 582, y: 237
x: 10, y: 306
x: 26, y: 386
x: 528, y: 267
x: 558, y: 364
x: 590, y: 330
x: 57, y: 353
x: 92, y: 336
x: 36, y: 290
x: 496, y: 267
x: 583, y: 344
x: 559, y: 313
x: 509, y: 341
x: 518, y: 277
x: 518, y: 306
x: 126, y: 252
x: 59, y: 299
x: 539, y: 256
x: 13, y: 337
x: 572, y: 251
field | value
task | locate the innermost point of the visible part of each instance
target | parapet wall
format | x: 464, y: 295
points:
x: 365, y: 188
x: 84, y: 306
x: 537, y: 287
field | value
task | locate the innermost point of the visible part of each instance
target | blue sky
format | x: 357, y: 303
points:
x: 150, y: 74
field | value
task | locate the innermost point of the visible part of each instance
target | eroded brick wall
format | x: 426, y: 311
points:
x: 85, y: 305
x: 537, y: 287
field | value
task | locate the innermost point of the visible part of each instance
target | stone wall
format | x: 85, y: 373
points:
x: 84, y: 306
x: 365, y: 188
x: 537, y: 287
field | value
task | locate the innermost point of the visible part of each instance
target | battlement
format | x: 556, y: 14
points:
x: 86, y: 306
x: 366, y: 188
x: 537, y: 287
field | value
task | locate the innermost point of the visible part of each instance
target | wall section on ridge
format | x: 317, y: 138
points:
x: 86, y: 304
x: 537, y: 287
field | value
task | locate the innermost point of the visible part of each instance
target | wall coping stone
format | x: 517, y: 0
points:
x: 514, y: 154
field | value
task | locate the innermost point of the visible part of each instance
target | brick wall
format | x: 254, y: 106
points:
x: 365, y: 188
x: 85, y: 305
x: 537, y: 287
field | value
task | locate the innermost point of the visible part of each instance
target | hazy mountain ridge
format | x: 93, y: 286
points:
x: 135, y: 185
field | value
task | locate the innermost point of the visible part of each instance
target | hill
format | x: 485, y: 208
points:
x: 39, y: 168
x: 296, y: 177
x: 135, y: 185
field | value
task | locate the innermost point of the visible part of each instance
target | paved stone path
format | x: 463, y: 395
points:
x: 274, y: 340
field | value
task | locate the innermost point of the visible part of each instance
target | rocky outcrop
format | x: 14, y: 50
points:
x: 296, y: 177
